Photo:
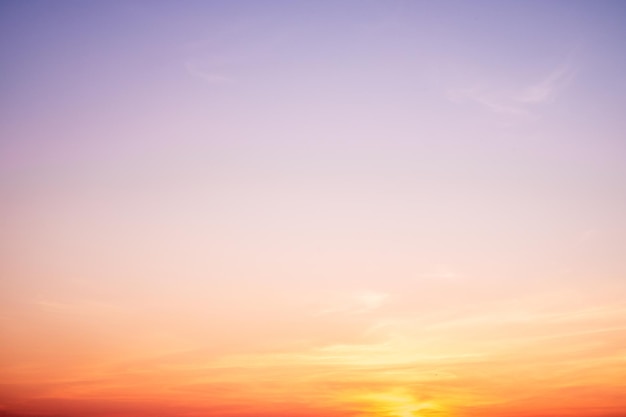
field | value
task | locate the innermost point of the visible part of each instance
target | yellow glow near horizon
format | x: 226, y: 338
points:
x: 398, y: 403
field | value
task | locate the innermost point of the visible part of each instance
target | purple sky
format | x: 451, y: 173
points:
x: 312, y: 183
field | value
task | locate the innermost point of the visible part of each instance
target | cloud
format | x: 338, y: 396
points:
x: 442, y: 273
x: 208, y: 76
x: 360, y: 302
x: 218, y: 59
x: 546, y: 89
x: 518, y: 101
x: 80, y: 307
x: 495, y: 101
x: 370, y: 300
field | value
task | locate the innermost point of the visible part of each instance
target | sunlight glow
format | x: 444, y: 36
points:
x: 397, y: 403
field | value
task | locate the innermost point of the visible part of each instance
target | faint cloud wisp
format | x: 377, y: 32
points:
x: 208, y: 76
x: 361, y: 302
x: 518, y: 101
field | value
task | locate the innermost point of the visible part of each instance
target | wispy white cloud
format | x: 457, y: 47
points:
x: 208, y: 76
x: 78, y: 307
x: 490, y: 99
x: 547, y: 88
x: 517, y: 101
x: 442, y: 273
x: 230, y: 50
x: 360, y: 302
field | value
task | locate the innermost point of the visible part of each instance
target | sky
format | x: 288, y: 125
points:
x: 312, y: 208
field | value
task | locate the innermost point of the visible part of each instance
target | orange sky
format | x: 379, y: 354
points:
x: 320, y: 209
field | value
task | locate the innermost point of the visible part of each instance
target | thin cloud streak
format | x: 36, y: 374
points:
x: 208, y: 76
x: 521, y: 103
x: 358, y: 303
x: 548, y: 88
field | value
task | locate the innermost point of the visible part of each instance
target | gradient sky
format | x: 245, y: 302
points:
x: 313, y: 209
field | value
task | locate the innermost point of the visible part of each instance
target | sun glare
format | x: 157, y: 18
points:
x: 398, y: 403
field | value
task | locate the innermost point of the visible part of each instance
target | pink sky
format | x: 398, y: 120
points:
x: 329, y: 209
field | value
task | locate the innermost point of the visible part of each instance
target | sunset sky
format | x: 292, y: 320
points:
x: 348, y: 208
